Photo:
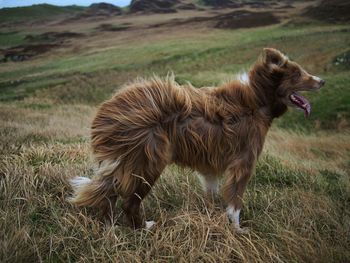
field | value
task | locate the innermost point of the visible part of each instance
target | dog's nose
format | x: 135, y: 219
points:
x: 322, y: 82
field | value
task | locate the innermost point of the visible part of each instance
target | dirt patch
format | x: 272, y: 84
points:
x: 39, y: 44
x: 24, y: 52
x: 258, y: 4
x: 222, y: 3
x: 331, y: 11
x: 235, y: 4
x: 187, y: 6
x: 113, y: 28
x: 232, y: 20
x: 154, y: 6
x: 53, y: 36
x: 245, y: 19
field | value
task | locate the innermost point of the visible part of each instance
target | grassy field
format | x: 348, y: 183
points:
x: 297, y: 204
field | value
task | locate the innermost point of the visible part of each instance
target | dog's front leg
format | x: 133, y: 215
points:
x: 237, y: 177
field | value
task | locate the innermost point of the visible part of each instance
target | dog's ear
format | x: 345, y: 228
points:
x: 274, y: 57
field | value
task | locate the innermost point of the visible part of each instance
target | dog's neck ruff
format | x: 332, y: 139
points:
x: 265, y: 85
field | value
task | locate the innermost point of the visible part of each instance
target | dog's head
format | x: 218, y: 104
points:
x: 291, y: 79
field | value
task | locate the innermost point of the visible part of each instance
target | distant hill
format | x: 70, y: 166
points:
x: 96, y: 11
x: 49, y: 12
x: 36, y: 12
x: 103, y: 9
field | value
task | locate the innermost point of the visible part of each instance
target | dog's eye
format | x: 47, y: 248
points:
x: 297, y: 73
x: 296, y: 76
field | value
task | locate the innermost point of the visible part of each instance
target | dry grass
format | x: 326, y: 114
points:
x: 316, y: 151
x: 297, y: 213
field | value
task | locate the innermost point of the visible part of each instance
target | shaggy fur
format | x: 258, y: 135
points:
x: 217, y: 131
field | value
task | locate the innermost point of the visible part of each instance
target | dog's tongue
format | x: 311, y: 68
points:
x: 301, y: 102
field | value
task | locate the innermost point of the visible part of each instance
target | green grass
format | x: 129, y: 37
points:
x: 36, y: 12
x: 206, y: 63
x: 10, y: 39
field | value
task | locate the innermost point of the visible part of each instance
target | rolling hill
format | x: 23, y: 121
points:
x: 36, y: 13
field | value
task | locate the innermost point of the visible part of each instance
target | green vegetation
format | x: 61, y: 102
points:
x: 36, y: 12
x: 206, y: 62
x: 10, y: 39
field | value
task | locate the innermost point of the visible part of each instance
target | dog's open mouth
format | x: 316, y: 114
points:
x: 301, y: 103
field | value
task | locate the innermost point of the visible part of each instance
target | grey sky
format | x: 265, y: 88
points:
x: 13, y: 3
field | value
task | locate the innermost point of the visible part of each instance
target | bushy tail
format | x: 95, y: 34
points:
x: 89, y: 192
x: 92, y: 192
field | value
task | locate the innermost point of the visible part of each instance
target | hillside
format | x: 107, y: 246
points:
x: 36, y: 13
x: 46, y: 13
x: 53, y: 76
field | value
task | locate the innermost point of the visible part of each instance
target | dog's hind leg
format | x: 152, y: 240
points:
x: 237, y: 178
x: 131, y: 204
x: 153, y: 158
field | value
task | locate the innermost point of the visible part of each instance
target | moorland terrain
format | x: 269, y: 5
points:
x: 57, y: 64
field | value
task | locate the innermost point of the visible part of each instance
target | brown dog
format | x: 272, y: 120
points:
x: 216, y: 131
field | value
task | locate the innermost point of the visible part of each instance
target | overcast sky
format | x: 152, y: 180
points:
x: 13, y: 3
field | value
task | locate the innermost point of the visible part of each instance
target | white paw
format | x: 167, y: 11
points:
x: 149, y: 224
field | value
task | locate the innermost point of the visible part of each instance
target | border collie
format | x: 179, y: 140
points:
x: 218, y: 131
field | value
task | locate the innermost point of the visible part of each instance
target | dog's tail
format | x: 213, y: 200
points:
x: 87, y: 192
x: 92, y: 192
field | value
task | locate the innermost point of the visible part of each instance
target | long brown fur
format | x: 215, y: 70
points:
x: 217, y: 131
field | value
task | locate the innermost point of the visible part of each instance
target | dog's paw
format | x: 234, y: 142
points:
x: 242, y: 230
x: 149, y: 224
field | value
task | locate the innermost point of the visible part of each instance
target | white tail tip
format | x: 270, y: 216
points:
x: 76, y: 183
x: 79, y: 181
